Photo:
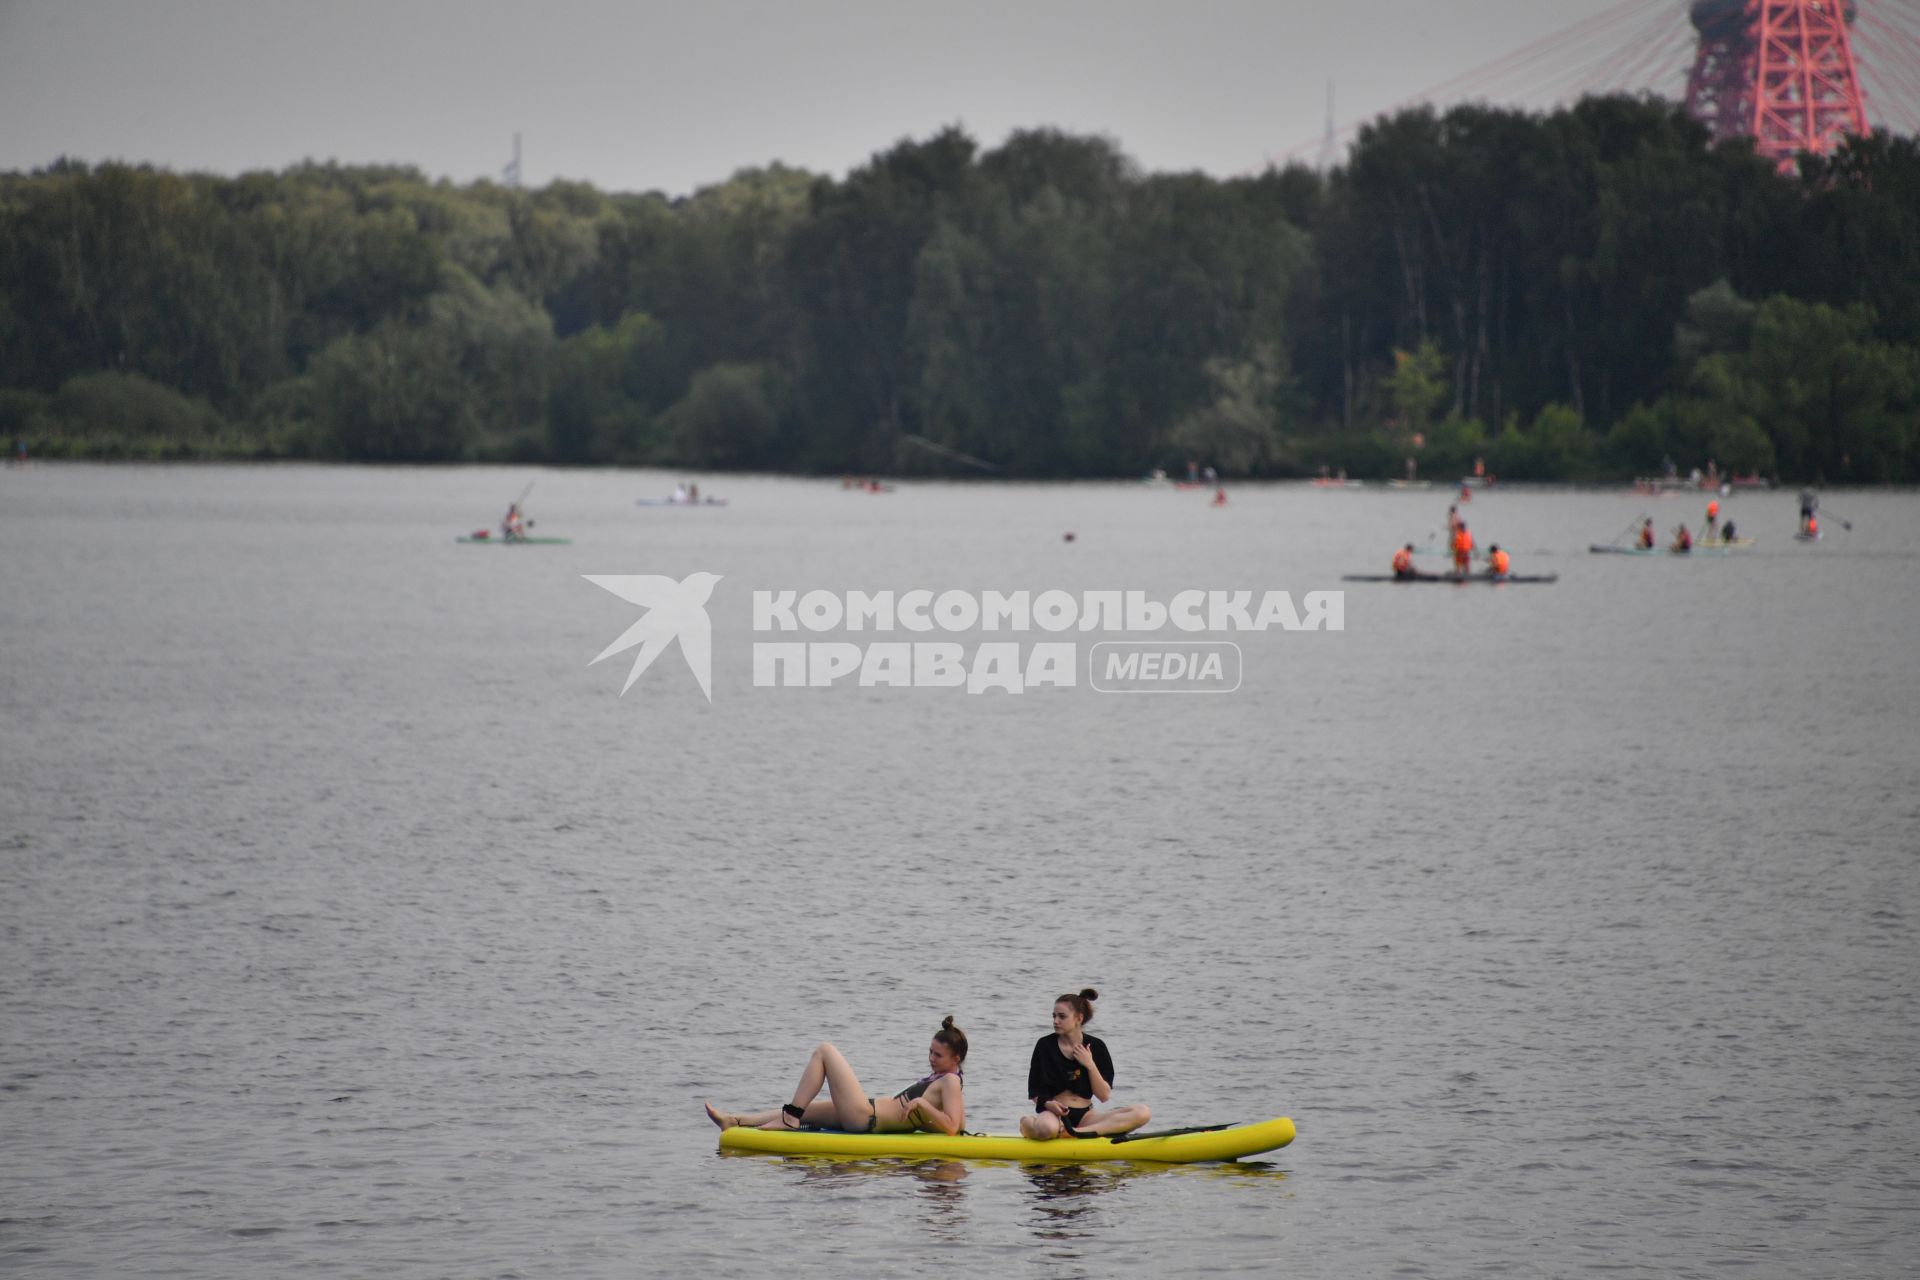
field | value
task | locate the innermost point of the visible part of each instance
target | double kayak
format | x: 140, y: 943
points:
x: 1176, y: 1146
x: 482, y: 541
x: 1448, y: 577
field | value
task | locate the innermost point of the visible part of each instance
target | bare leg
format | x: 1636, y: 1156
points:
x: 1041, y: 1126
x: 1118, y: 1120
x: 826, y: 1067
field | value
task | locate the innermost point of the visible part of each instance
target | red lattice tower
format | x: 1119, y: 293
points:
x: 1779, y: 71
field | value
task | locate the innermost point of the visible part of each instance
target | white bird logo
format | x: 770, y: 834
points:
x: 675, y: 610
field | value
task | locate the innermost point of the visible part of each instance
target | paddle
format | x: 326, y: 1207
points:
x: 1844, y: 524
x: 1165, y: 1133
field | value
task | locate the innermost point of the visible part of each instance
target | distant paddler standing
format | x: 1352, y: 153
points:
x: 1462, y: 549
x: 1713, y: 519
x: 1403, y: 562
x: 1809, y: 503
x: 1498, y: 562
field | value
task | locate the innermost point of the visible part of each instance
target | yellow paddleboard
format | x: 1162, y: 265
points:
x: 1172, y: 1148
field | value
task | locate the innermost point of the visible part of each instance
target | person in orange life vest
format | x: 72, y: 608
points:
x: 1813, y: 526
x: 1647, y: 539
x: 1497, y: 562
x: 1713, y: 519
x: 1403, y: 562
x: 1682, y: 540
x: 1462, y: 549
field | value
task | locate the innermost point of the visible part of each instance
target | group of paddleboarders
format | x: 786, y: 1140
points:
x: 1460, y: 545
x: 1713, y: 533
x: 1069, y: 1073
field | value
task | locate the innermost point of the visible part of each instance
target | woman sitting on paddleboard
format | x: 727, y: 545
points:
x: 932, y: 1102
x: 1070, y: 1071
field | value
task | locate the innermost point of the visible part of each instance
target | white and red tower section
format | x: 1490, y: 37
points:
x: 1781, y: 72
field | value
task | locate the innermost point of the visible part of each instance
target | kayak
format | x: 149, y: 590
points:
x: 1409, y: 484
x: 1806, y: 537
x: 1722, y: 544
x: 679, y: 502
x: 1177, y: 1146
x: 514, y: 542
x: 1448, y: 577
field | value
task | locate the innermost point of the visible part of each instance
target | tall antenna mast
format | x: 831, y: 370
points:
x: 512, y: 172
x: 1329, y: 149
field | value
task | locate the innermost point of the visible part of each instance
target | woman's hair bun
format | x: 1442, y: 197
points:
x: 1088, y: 993
x: 946, y: 1023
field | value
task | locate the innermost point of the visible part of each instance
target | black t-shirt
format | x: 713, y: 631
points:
x: 1054, y: 1073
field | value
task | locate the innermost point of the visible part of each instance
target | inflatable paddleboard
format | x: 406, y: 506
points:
x: 1178, y: 1146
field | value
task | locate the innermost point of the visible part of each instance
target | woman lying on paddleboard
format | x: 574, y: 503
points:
x: 1070, y: 1070
x: 931, y: 1102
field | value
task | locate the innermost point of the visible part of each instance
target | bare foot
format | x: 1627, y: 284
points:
x: 721, y: 1118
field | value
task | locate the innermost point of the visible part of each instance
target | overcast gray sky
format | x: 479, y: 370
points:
x: 633, y: 95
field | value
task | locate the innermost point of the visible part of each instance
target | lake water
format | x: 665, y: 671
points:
x: 353, y: 924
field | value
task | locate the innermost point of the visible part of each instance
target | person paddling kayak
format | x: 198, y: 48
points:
x: 1809, y: 503
x: 513, y: 525
x: 932, y: 1102
x: 1682, y: 540
x: 1403, y: 562
x: 1647, y: 536
x: 1713, y: 520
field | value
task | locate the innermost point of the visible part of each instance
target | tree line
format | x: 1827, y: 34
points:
x: 1584, y: 293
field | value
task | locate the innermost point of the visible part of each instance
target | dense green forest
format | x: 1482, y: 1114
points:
x: 1572, y: 295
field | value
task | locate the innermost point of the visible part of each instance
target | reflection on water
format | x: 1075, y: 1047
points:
x: 942, y: 1194
x: 1064, y: 1198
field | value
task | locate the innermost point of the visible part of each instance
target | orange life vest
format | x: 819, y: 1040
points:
x: 1462, y: 542
x: 1498, y: 563
x: 1713, y: 509
x: 1403, y: 561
